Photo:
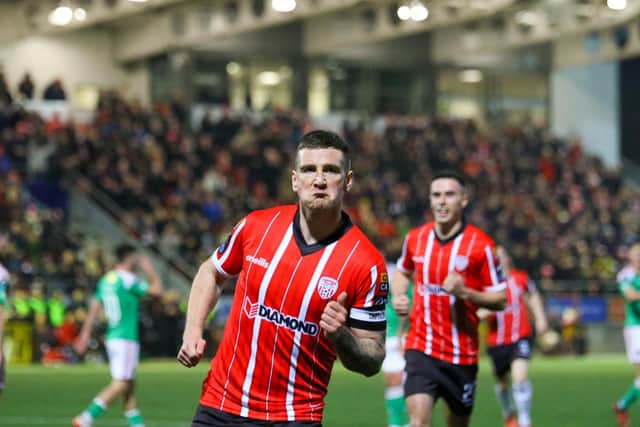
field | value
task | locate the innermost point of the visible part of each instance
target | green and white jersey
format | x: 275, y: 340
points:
x: 119, y: 291
x: 627, y: 278
x: 4, y: 285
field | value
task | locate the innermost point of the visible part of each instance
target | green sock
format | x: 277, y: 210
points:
x: 134, y: 418
x: 396, y: 408
x: 629, y: 397
x: 96, y: 408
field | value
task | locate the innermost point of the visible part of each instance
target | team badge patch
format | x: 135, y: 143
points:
x: 461, y: 262
x: 327, y: 287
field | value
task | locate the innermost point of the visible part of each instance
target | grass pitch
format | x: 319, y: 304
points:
x: 568, y: 392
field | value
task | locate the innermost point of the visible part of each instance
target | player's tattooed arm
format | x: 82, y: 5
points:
x: 359, y: 350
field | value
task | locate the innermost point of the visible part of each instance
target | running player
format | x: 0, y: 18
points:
x: 118, y: 293
x: 4, y: 287
x: 393, y: 365
x: 509, y: 342
x: 454, y: 272
x: 629, y: 283
x: 311, y: 287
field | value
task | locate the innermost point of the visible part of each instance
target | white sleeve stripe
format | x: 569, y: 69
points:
x: 403, y: 255
x: 218, y: 266
x: 232, y: 241
x: 496, y: 288
x: 367, y: 315
x: 372, y: 289
x: 492, y: 266
x: 402, y: 269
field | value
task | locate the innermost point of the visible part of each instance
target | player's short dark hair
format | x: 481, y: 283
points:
x: 124, y: 250
x: 449, y: 173
x: 326, y: 139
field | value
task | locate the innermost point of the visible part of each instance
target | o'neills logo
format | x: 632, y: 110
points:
x: 274, y: 316
x: 258, y: 261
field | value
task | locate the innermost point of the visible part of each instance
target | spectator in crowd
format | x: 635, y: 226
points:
x: 5, y: 94
x: 26, y: 87
x: 54, y: 91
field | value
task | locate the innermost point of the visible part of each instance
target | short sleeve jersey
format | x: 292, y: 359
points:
x: 442, y: 326
x: 630, y: 278
x: 274, y: 361
x: 119, y: 292
x: 512, y: 324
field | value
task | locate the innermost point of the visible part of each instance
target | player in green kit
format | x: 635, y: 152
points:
x: 4, y: 287
x: 629, y: 283
x: 118, y: 292
x: 393, y: 365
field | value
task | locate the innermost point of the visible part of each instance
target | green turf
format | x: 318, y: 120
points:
x: 568, y: 392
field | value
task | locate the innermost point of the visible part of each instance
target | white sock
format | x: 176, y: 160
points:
x: 85, y: 419
x: 503, y: 394
x: 522, y: 393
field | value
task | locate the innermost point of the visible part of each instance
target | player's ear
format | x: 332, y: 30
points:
x: 348, y: 181
x: 294, y: 181
x: 465, y: 198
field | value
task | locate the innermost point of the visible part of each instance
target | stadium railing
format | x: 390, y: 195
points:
x: 97, y: 215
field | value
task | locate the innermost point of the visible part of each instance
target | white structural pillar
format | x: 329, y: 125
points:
x: 585, y: 103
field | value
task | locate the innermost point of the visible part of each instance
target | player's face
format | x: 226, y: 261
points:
x: 320, y: 178
x: 447, y: 198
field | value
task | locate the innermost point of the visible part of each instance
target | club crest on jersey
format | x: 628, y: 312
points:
x: 461, y: 263
x: 327, y: 287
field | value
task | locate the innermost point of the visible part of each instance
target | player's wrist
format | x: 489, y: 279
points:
x: 192, y: 334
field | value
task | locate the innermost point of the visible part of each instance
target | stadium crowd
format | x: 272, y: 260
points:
x: 562, y: 213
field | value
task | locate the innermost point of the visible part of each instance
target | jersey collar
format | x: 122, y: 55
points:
x: 306, y: 249
x: 459, y: 232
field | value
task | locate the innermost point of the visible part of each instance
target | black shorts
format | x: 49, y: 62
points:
x: 209, y: 417
x: 503, y: 355
x: 456, y: 384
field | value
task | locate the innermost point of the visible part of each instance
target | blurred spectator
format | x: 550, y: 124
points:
x: 54, y: 91
x: 26, y: 87
x: 5, y: 95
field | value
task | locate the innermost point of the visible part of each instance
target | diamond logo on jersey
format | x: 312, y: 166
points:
x: 461, y: 263
x: 251, y: 309
x: 327, y: 287
x: 270, y: 314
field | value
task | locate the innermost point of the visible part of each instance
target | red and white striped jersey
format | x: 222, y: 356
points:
x: 512, y: 324
x: 441, y: 325
x: 274, y: 362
